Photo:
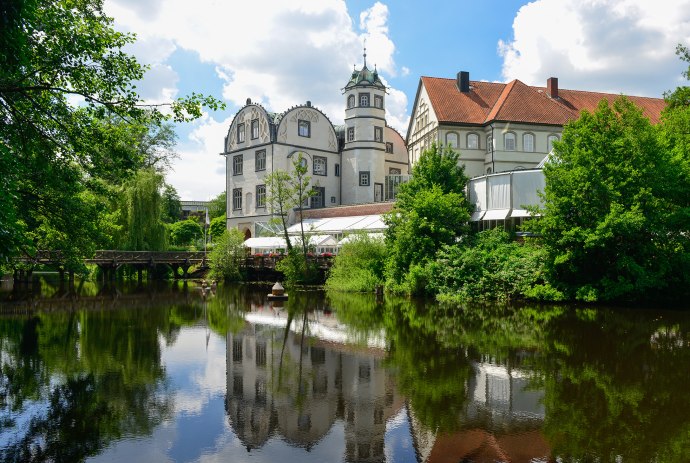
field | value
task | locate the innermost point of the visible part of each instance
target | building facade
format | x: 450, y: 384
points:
x: 499, y: 127
x: 348, y: 164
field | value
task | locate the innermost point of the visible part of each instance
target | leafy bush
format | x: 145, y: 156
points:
x: 491, y: 266
x: 358, y: 266
x: 227, y: 255
x: 296, y: 269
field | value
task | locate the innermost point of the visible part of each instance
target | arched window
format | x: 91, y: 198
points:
x: 528, y: 143
x: 452, y: 139
x: 549, y: 142
x: 488, y: 171
x: 472, y: 141
x: 509, y: 141
x: 351, y: 101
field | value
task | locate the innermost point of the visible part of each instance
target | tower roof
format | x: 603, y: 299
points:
x: 365, y: 77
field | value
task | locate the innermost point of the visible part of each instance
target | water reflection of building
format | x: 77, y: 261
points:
x: 502, y: 420
x: 318, y: 383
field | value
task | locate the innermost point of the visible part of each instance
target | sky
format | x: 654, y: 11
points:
x: 283, y: 53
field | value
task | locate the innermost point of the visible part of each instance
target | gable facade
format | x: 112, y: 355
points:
x: 499, y: 127
x: 347, y: 164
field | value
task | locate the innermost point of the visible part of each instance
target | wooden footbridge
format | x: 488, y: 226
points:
x: 109, y: 261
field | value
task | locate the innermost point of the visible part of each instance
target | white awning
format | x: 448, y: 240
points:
x: 496, y: 214
x: 477, y: 216
x: 265, y: 242
x: 356, y: 236
x: 520, y: 213
x: 338, y: 225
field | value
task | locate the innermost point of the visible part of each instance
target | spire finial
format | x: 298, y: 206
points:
x: 365, y: 52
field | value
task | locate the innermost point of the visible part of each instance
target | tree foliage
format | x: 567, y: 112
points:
x: 431, y: 210
x: 359, y: 265
x: 185, y: 232
x: 490, y: 267
x: 172, y: 207
x: 142, y: 228
x: 227, y: 255
x: 616, y: 209
x: 217, y: 207
x: 70, y: 111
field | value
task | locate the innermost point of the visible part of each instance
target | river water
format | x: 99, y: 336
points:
x: 173, y: 373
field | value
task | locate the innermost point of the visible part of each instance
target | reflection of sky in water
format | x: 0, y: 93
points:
x: 399, y: 445
x: 200, y: 430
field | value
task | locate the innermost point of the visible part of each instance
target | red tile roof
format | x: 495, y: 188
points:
x: 517, y: 102
x: 349, y: 211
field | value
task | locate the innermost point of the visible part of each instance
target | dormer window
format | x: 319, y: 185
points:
x: 364, y: 100
x: 351, y: 101
x: 304, y: 128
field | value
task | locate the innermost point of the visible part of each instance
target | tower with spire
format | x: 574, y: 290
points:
x: 363, y: 156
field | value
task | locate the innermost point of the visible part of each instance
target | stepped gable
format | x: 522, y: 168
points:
x: 518, y: 102
x: 348, y: 211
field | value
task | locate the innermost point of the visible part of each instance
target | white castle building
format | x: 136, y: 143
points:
x: 348, y: 164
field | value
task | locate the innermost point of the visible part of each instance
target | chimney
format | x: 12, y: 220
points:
x: 552, y: 87
x: 464, y: 81
x: 308, y: 104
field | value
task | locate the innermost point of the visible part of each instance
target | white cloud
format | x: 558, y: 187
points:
x: 604, y: 45
x: 275, y: 52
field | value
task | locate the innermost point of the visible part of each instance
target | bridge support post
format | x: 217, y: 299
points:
x: 175, y: 269
x: 185, y: 267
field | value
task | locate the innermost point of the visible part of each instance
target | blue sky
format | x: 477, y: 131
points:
x: 284, y: 53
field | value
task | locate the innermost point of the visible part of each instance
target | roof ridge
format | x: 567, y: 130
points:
x: 501, y: 100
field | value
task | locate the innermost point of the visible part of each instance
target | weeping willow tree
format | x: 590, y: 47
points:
x: 140, y: 213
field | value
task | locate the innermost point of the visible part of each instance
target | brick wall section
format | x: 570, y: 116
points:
x: 349, y: 211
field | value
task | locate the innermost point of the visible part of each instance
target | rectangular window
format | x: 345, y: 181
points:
x: 304, y: 128
x: 378, y: 134
x: 237, y: 199
x: 364, y: 100
x: 378, y: 101
x: 320, y: 164
x: 393, y: 171
x: 260, y: 160
x: 237, y: 162
x: 319, y: 198
x: 350, y: 134
x: 240, y: 133
x: 337, y: 170
x: 363, y: 178
x: 389, y: 147
x: 255, y: 128
x: 261, y: 196
x: 332, y: 199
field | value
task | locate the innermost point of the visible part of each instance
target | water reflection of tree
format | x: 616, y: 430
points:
x: 616, y: 385
x: 97, y: 375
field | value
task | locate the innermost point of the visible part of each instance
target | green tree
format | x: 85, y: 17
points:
x: 141, y: 214
x: 217, y: 207
x: 280, y: 200
x: 227, y: 255
x: 185, y: 232
x: 172, y: 207
x: 217, y: 227
x: 615, y: 216
x: 430, y: 210
x: 56, y: 154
